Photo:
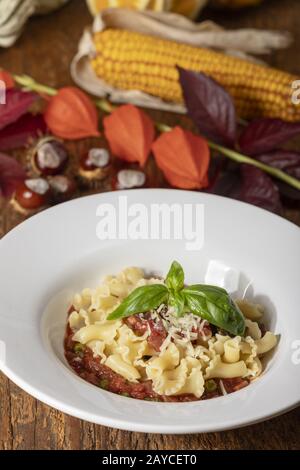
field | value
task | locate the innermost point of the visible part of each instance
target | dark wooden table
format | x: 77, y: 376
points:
x: 44, y: 51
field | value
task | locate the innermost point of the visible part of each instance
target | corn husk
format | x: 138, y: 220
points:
x: 189, y: 8
x: 15, y: 13
x: 242, y: 43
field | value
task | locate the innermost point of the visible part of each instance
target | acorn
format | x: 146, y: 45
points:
x: 31, y: 195
x: 129, y: 179
x: 62, y: 188
x: 95, y: 164
x: 49, y: 156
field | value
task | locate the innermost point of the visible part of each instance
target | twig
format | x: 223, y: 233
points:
x: 103, y: 104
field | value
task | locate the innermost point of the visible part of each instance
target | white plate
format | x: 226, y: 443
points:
x: 50, y: 256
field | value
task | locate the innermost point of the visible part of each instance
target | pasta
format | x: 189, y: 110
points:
x: 157, y: 354
x: 266, y: 343
x: 232, y: 350
x: 117, y: 363
x: 250, y: 310
x: 253, y: 329
x: 221, y: 370
x: 105, y: 331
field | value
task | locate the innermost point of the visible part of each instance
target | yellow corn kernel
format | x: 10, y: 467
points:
x: 129, y: 60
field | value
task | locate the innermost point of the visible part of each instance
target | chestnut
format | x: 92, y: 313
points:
x: 95, y: 164
x: 49, y: 157
x: 62, y: 187
x: 129, y: 179
x: 31, y: 195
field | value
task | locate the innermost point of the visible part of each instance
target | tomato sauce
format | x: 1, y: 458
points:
x: 90, y: 368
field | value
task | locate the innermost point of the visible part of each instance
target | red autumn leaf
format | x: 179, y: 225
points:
x: 130, y: 133
x: 18, y: 103
x: 17, y: 134
x: 11, y: 173
x: 7, y: 79
x: 265, y: 134
x: 258, y: 188
x: 71, y: 114
x: 183, y: 157
x: 209, y: 105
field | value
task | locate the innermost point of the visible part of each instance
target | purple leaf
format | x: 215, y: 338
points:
x: 265, y: 134
x: 209, y: 106
x: 11, y: 173
x: 288, y: 161
x: 17, y: 134
x: 290, y: 195
x: 227, y: 184
x: 258, y: 188
x: 17, y: 103
x: 285, y: 160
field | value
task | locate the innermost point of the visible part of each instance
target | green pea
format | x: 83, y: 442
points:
x: 210, y: 385
x: 79, y: 348
x: 104, y: 383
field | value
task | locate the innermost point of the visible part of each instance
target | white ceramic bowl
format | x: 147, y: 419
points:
x: 52, y: 255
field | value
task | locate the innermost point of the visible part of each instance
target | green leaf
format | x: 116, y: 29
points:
x: 141, y: 300
x: 216, y: 306
x: 176, y: 300
x: 175, y: 277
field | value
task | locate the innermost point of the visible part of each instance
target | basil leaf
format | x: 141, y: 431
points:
x: 177, y: 301
x: 216, y: 306
x: 175, y: 277
x: 141, y: 300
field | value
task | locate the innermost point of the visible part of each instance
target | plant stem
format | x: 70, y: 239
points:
x: 107, y: 107
x: 238, y: 157
x: 28, y: 83
x: 161, y: 127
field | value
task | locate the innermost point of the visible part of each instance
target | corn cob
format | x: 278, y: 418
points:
x: 189, y: 8
x: 235, y: 3
x: 129, y: 60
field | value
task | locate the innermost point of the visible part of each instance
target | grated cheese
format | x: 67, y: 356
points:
x: 223, y: 390
x: 183, y: 330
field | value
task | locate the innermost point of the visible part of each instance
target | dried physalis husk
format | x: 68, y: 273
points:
x: 31, y: 195
x: 183, y: 157
x: 71, y: 114
x: 7, y: 79
x: 130, y: 133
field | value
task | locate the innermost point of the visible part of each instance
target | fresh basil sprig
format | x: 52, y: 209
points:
x: 177, y: 301
x: 175, y: 277
x: 211, y: 303
x: 142, y: 299
x: 214, y: 305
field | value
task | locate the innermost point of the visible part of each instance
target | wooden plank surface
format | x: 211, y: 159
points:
x: 44, y: 52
